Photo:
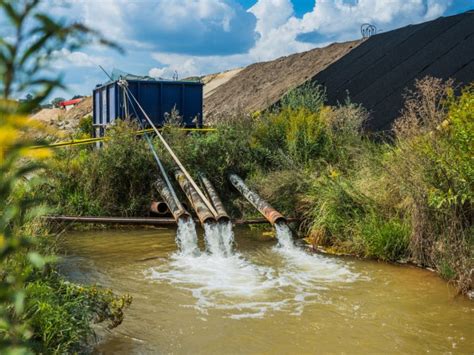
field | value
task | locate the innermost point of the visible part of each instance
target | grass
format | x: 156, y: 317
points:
x: 61, y: 312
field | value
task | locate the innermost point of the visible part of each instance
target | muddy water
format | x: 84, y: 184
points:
x: 265, y: 299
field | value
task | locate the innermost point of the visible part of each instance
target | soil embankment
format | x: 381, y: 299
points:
x: 261, y: 84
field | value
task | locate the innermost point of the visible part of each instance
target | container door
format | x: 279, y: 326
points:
x: 171, y: 98
x: 104, y: 106
x: 192, y: 110
x: 112, y: 111
x: 97, y: 107
x: 148, y: 96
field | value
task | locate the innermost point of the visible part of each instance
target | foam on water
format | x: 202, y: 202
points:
x: 283, y: 234
x: 220, y: 280
x: 308, y: 266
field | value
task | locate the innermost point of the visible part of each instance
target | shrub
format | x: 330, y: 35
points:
x: 431, y: 165
x: 113, y: 180
x: 309, y: 96
x: 62, y: 312
x: 298, y: 134
x: 85, y: 127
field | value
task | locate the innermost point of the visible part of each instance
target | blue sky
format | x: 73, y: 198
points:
x: 196, y: 37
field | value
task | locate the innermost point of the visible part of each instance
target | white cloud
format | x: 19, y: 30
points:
x: 199, y: 27
x: 280, y: 30
x: 187, y: 66
x: 337, y: 20
x: 67, y: 59
x: 271, y: 14
x: 195, y: 37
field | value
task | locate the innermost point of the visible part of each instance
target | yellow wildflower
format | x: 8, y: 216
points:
x: 334, y: 173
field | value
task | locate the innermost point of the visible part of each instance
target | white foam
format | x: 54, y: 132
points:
x: 225, y: 281
x: 283, y: 234
x: 305, y: 268
x: 241, y: 289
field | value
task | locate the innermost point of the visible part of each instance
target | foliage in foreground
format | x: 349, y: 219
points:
x: 39, y: 311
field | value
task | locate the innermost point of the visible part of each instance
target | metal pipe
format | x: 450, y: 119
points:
x: 159, y: 207
x: 155, y: 221
x: 203, y: 213
x: 222, y: 215
x: 173, y: 155
x: 176, y: 210
x: 271, y: 214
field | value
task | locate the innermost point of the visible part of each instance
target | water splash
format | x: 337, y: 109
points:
x: 219, y: 238
x: 224, y: 281
x: 212, y: 238
x: 284, y: 236
x: 186, y: 237
x: 227, y: 235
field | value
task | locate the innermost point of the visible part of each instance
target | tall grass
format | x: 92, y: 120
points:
x: 432, y: 167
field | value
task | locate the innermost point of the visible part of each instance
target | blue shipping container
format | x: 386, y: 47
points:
x: 158, y: 98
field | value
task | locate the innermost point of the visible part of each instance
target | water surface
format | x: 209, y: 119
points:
x: 264, y: 299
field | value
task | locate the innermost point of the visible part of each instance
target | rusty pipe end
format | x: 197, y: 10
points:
x: 280, y: 220
x: 181, y: 214
x: 159, y: 207
x: 223, y: 218
x: 207, y: 220
x: 273, y: 216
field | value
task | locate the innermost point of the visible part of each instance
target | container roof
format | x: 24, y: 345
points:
x: 118, y: 74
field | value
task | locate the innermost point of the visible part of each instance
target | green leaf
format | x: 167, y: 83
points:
x: 36, y: 259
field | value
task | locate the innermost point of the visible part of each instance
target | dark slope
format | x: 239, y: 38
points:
x: 377, y: 72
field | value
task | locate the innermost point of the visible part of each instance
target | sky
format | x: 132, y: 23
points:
x: 197, y: 37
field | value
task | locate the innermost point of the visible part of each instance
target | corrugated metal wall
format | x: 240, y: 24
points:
x: 156, y: 97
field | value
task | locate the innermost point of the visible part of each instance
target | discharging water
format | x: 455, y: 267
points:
x: 257, y: 295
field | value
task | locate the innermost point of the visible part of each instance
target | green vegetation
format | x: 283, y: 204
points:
x: 39, y: 311
x: 407, y: 199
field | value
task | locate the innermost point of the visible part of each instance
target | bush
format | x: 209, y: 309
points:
x: 431, y: 165
x: 113, y: 180
x: 85, y: 127
x: 61, y: 313
x: 309, y: 96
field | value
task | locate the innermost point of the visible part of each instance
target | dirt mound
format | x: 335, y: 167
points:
x: 83, y: 108
x: 48, y: 115
x: 377, y: 72
x: 65, y: 120
x: 213, y: 81
x: 261, y: 84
